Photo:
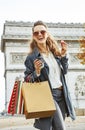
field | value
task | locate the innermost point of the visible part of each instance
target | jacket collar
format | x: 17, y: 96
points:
x: 36, y: 52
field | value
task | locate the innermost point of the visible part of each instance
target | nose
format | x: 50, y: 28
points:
x: 39, y: 33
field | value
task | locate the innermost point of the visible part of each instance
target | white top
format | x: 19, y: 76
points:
x: 54, y: 70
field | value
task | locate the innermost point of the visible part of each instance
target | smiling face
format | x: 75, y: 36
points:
x: 40, y: 34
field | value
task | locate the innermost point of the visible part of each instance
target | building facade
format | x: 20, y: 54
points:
x: 15, y: 46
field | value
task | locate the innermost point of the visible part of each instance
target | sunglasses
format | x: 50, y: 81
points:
x: 37, y: 32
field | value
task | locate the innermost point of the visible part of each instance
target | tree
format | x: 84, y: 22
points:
x: 81, y: 54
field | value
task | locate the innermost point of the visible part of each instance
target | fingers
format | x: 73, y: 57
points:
x: 37, y: 63
x: 63, y: 44
x: 38, y: 66
x: 63, y: 47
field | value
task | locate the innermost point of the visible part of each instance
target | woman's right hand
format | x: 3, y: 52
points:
x: 38, y: 66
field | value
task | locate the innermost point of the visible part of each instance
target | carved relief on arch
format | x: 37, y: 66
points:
x: 80, y: 86
x: 17, y: 58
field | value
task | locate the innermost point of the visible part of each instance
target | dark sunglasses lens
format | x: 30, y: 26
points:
x: 43, y: 32
x: 37, y: 33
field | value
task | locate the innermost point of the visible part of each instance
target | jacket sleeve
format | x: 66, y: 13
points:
x: 64, y: 64
x: 30, y: 74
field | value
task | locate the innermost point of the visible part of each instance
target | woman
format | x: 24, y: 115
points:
x: 47, y: 61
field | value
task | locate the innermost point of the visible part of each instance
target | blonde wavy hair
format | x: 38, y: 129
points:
x: 51, y: 42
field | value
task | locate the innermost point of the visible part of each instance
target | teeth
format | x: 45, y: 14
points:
x: 40, y: 38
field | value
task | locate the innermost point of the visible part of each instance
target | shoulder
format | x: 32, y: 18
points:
x: 29, y: 58
x: 32, y: 56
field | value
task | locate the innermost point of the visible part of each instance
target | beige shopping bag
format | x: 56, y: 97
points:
x: 38, y: 100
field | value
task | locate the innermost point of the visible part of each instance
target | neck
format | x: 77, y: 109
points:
x: 43, y: 48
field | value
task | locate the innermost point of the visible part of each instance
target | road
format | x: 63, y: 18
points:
x: 20, y: 123
x: 78, y: 127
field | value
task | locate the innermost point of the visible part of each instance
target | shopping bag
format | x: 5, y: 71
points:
x: 15, y: 105
x: 38, y: 100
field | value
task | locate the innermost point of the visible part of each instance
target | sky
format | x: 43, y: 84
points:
x: 64, y: 11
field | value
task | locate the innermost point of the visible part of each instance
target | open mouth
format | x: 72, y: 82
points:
x: 40, y: 39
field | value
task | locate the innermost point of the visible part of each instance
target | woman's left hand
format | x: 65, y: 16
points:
x: 63, y: 48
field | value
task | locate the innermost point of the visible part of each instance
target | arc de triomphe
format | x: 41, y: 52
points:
x: 15, y: 46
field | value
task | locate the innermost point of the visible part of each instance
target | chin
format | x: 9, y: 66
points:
x: 42, y: 41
